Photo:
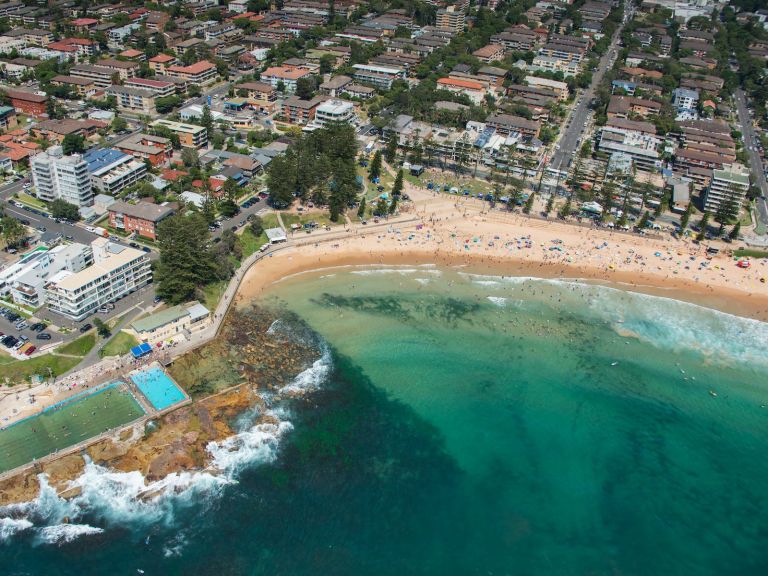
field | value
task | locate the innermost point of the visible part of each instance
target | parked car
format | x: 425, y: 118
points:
x: 145, y: 249
x: 85, y: 327
x: 43, y: 336
x: 28, y: 351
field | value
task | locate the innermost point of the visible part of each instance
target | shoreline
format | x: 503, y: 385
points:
x: 295, y: 261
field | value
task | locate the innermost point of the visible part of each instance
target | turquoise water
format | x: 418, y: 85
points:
x: 459, y: 424
x: 157, y: 387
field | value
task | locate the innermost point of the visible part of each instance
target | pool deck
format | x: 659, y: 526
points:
x: 150, y: 413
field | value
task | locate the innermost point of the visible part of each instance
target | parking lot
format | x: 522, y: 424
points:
x: 15, y: 332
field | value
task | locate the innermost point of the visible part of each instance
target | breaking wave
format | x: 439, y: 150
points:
x: 106, y: 498
x: 663, y: 322
x: 63, y: 533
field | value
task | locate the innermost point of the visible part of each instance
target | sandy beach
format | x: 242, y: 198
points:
x: 454, y: 232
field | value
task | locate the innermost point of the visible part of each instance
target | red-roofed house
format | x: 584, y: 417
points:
x: 80, y: 47
x: 135, y: 55
x: 288, y: 76
x: 202, y: 72
x: 160, y: 62
x: 474, y: 90
x: 172, y: 175
x: 18, y: 150
x: 84, y: 24
x: 215, y: 184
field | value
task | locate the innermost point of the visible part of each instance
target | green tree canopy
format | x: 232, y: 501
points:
x: 63, y: 209
x: 186, y: 261
x: 73, y: 144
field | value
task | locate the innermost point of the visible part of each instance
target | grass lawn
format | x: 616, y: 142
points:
x: 212, y: 293
x: 120, y: 344
x: 17, y: 371
x: 79, y: 347
x: 750, y: 253
x: 251, y: 243
x: 31, y: 201
x: 270, y: 221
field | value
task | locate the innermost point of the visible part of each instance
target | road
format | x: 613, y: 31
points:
x: 571, y: 137
x: 755, y: 162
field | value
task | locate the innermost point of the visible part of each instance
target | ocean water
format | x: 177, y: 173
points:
x: 456, y: 423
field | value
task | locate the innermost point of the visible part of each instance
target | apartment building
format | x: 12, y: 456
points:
x: 25, y: 280
x: 30, y: 36
x: 730, y: 183
x: 261, y: 95
x: 684, y: 99
x: 101, y: 76
x: 160, y: 62
x: 156, y: 149
x: 518, y: 38
x: 489, y: 53
x: 378, y: 76
x: 562, y: 51
x: 112, y: 170
x: 32, y: 103
x: 287, y: 76
x: 547, y: 64
x: 159, y: 88
x: 559, y: 88
x: 200, y: 73
x: 623, y: 106
x: 7, y: 118
x: 642, y: 148
x: 57, y: 176
x: 83, y: 47
x: 124, y: 69
x: 298, y: 111
x: 131, y: 99
x: 83, y: 87
x: 475, y: 91
x: 190, y: 135
x: 332, y: 111
x: 508, y: 124
x: 141, y: 218
x: 116, y: 271
x: 451, y: 19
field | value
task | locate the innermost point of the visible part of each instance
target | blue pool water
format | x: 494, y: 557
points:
x: 158, y: 388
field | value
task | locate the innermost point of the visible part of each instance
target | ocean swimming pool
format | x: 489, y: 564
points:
x: 158, y: 388
x: 67, y: 423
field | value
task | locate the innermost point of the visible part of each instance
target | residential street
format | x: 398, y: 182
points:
x: 755, y: 163
x: 572, y: 135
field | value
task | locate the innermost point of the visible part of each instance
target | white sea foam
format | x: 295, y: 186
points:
x: 498, y: 300
x: 259, y: 443
x: 423, y: 281
x: 63, y: 533
x: 112, y: 498
x: 312, y: 377
x: 663, y: 322
x: 387, y: 271
x: 12, y: 526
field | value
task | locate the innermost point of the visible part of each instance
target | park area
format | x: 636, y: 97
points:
x: 52, y: 364
x: 67, y: 423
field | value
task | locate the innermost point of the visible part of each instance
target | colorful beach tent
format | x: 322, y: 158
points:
x: 141, y: 350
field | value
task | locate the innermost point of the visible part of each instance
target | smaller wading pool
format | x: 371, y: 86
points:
x: 158, y: 388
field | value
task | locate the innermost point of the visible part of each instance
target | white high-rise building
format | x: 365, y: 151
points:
x: 57, y: 176
x: 116, y: 271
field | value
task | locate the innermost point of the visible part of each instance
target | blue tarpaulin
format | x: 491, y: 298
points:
x: 141, y: 350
